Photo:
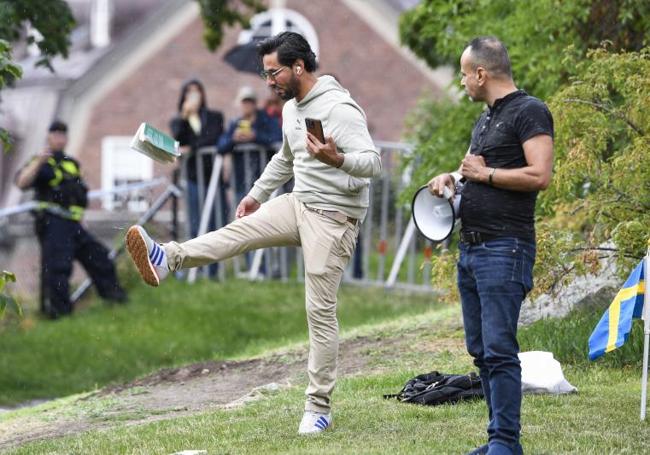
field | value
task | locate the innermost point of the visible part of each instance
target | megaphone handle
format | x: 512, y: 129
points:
x: 446, y: 192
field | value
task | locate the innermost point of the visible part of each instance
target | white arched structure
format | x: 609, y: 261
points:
x: 278, y: 20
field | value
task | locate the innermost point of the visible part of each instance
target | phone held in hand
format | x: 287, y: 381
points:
x: 315, y: 127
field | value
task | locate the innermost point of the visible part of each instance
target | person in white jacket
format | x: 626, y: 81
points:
x: 322, y: 214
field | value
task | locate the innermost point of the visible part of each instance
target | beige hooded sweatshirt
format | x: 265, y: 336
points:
x: 317, y: 184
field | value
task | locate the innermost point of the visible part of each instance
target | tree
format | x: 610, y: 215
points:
x: 548, y: 42
x: 601, y: 189
x: 438, y: 30
x: 9, y: 72
x: 537, y: 32
x: 51, y: 22
x: 219, y: 13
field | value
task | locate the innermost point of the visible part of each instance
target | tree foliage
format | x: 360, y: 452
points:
x: 219, y: 13
x: 5, y: 299
x: 9, y: 72
x: 597, y: 100
x: 539, y: 35
x: 537, y: 32
x: 601, y: 189
x: 53, y: 22
x: 52, y: 19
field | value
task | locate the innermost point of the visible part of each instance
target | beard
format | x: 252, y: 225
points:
x: 289, y: 91
x: 477, y: 95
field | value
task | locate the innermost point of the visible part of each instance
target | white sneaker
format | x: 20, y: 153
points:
x: 149, y: 258
x: 314, y: 422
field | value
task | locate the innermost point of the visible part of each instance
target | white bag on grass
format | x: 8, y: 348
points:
x: 541, y: 373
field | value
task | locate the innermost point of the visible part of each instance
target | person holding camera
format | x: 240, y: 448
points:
x: 253, y: 127
x: 509, y: 161
x: 62, y: 197
x: 322, y: 214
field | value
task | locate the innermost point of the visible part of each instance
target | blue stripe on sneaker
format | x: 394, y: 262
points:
x: 321, y: 423
x: 157, y: 260
x: 152, y: 253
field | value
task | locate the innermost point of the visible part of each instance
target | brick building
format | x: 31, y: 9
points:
x: 105, y: 92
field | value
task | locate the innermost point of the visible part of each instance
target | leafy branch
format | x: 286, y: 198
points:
x: 5, y: 299
x: 217, y: 14
x: 607, y: 110
x: 613, y: 250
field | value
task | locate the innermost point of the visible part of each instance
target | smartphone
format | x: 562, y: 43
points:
x: 315, y: 127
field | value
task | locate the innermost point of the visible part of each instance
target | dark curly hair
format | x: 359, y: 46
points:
x: 290, y: 46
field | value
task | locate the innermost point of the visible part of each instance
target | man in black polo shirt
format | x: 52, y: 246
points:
x: 509, y: 160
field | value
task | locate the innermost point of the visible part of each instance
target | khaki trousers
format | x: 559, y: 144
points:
x: 326, y: 244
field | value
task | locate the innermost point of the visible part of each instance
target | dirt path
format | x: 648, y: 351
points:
x: 172, y: 393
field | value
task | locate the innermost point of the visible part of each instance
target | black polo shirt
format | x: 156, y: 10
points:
x: 498, y: 136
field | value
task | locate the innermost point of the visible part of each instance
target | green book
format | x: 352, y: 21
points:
x: 155, y: 144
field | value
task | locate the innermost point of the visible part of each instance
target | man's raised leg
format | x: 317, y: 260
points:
x: 273, y: 224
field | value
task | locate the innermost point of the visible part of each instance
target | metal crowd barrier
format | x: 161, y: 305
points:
x: 92, y: 195
x: 171, y: 191
x: 389, y: 252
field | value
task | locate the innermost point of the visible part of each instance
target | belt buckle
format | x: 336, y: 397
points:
x: 338, y: 216
x: 334, y: 215
x: 471, y: 237
x: 331, y: 214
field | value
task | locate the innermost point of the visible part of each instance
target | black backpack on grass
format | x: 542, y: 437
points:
x: 438, y: 388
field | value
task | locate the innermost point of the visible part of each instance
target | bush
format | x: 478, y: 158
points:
x: 601, y: 104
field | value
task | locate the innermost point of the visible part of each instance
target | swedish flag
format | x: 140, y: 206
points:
x: 615, y: 325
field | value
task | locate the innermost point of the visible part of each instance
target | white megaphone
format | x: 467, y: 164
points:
x: 435, y: 216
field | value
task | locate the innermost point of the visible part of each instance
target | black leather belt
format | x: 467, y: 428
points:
x: 335, y: 215
x: 474, y: 238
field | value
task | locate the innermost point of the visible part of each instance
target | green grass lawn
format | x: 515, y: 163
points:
x: 172, y: 325
x: 179, y: 323
x: 601, y: 419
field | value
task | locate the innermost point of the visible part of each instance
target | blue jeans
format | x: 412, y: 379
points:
x: 494, y: 278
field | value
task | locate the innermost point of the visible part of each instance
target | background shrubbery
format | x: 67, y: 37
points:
x: 588, y: 60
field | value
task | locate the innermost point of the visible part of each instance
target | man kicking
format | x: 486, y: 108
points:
x: 322, y: 214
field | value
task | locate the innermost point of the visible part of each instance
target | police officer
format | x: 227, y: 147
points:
x: 62, y: 196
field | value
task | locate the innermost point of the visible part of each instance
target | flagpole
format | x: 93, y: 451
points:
x: 646, y: 332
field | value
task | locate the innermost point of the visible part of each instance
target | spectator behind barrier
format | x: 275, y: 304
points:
x: 254, y: 126
x: 196, y: 126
